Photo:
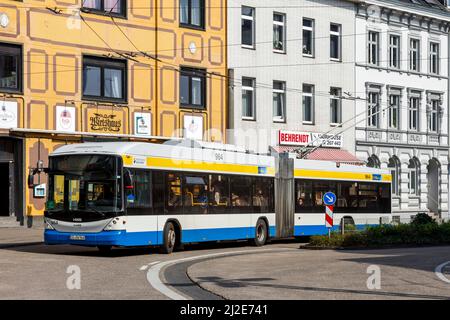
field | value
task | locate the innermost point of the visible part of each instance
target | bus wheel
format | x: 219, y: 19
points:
x: 260, y: 233
x: 170, y: 238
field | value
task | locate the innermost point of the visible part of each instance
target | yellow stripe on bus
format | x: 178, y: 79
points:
x: 206, y: 166
x: 302, y: 173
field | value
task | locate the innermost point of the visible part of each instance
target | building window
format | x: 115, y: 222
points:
x: 433, y: 122
x: 336, y: 106
x: 335, y: 41
x: 373, y: 113
x: 394, y: 51
x: 308, y: 37
x: 104, y: 79
x: 115, y: 7
x: 394, y: 166
x: 10, y: 68
x: 279, y: 31
x: 413, y: 177
x: 394, y: 111
x: 248, y: 27
x: 192, y: 13
x: 373, y: 162
x: 248, y: 99
x: 279, y: 101
x: 192, y: 88
x: 373, y: 48
x: 413, y: 113
x: 414, y: 55
x: 434, y: 58
x: 308, y: 104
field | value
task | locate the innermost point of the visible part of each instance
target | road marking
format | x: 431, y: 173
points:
x: 143, y: 268
x: 439, y: 273
x: 153, y: 274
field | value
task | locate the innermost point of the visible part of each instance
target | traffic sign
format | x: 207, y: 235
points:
x: 329, y: 199
x: 329, y: 210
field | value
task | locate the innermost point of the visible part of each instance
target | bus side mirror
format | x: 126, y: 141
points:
x: 128, y: 179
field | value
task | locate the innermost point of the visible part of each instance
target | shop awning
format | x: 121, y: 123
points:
x: 325, y: 154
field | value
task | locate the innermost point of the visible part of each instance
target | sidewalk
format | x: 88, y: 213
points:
x: 14, y: 235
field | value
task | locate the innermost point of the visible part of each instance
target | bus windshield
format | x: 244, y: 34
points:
x: 86, y: 187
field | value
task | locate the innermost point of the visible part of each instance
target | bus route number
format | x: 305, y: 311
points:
x: 219, y: 156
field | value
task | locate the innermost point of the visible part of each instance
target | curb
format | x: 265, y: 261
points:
x: 18, y: 245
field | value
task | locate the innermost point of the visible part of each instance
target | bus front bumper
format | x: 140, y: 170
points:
x: 104, y: 238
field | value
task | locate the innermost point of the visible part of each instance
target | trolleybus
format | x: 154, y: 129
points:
x: 128, y: 194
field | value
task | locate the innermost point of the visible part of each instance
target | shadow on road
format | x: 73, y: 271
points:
x: 69, y: 250
x: 258, y: 282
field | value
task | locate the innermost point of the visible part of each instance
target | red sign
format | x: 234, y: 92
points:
x: 329, y: 210
x: 292, y: 138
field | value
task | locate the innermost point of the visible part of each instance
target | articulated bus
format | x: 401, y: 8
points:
x: 130, y: 194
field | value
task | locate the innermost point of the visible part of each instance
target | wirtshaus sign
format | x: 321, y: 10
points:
x: 105, y: 120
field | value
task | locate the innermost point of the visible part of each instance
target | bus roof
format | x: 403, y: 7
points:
x: 177, y: 157
x: 313, y: 169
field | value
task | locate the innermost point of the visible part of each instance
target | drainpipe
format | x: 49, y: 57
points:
x: 156, y: 97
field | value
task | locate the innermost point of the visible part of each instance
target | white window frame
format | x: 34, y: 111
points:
x: 339, y: 106
x: 395, y: 110
x: 283, y: 25
x: 252, y: 89
x: 436, y: 55
x: 393, y: 47
x: 373, y: 109
x: 310, y: 95
x: 371, y: 43
x: 339, y: 35
x: 414, y: 109
x: 395, y: 172
x: 434, y: 112
x: 283, y: 92
x: 311, y: 30
x: 412, y: 50
x: 414, y: 172
x: 252, y: 19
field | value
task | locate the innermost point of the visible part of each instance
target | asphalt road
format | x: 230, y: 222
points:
x: 224, y: 271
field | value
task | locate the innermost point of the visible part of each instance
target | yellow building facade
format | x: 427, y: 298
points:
x: 90, y: 70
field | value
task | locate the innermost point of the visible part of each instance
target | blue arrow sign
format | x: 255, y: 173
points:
x: 329, y: 199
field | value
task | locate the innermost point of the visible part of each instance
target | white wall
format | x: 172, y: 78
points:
x: 291, y: 67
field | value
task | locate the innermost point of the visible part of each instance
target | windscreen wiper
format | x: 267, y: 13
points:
x: 96, y: 211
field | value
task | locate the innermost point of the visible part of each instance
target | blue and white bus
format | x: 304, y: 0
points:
x: 128, y: 194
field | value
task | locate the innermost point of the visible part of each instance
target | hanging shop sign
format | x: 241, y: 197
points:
x: 8, y: 115
x: 293, y: 138
x: 296, y: 138
x: 193, y: 127
x: 142, y: 124
x: 104, y: 121
x: 65, y: 119
x: 327, y: 140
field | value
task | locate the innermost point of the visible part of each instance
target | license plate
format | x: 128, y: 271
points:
x: 77, y: 238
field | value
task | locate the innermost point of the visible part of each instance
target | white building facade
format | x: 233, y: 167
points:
x: 402, y: 123
x: 291, y: 71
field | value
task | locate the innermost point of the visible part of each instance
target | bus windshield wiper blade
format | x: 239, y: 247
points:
x: 92, y: 209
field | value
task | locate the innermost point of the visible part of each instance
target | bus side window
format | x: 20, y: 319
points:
x: 219, y: 199
x: 261, y: 195
x: 304, y: 196
x: 240, y: 194
x: 195, y: 194
x: 174, y: 196
x: 159, y: 186
x: 139, y: 195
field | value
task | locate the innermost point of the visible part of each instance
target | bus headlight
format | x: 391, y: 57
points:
x: 48, y: 226
x: 116, y: 224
